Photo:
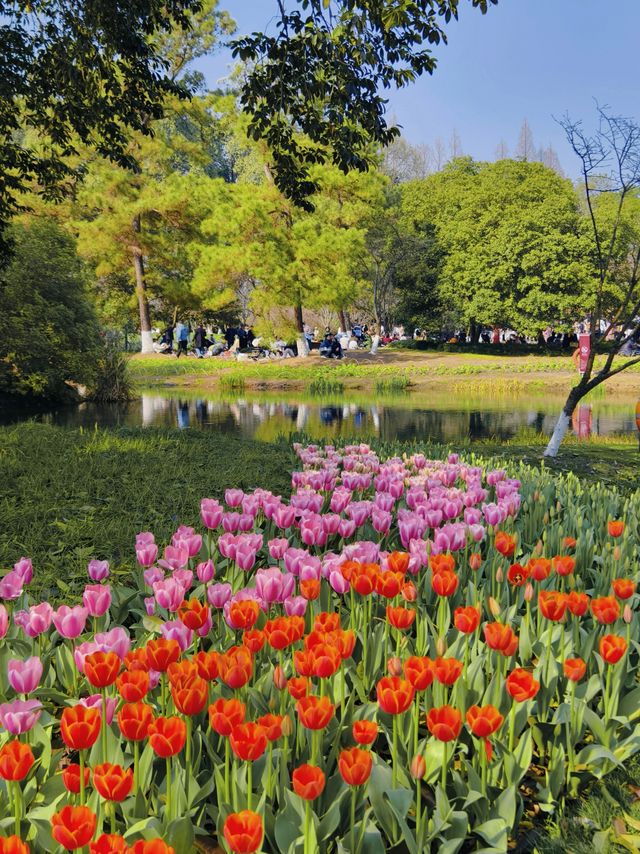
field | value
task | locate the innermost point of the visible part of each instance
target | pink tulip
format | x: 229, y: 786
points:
x: 192, y: 543
x: 177, y: 630
x: 96, y: 598
x: 153, y: 574
x: 245, y: 557
x: 4, y: 621
x: 250, y: 505
x: 98, y: 570
x: 331, y: 523
x: 233, y: 497
x: 381, y: 520
x: 20, y: 716
x: 340, y: 499
x: 184, y: 577
x: 24, y: 676
x: 115, y: 640
x: 210, y: 513
x: 295, y: 606
x: 146, y: 554
x: 492, y: 514
x: 144, y: 537
x: 338, y: 582
x: 227, y: 545
x: 11, y: 585
x: 230, y: 522
x: 169, y: 594
x: 81, y: 651
x: 246, y: 522
x: 285, y: 516
x: 347, y: 528
x: 219, y: 594
x: 272, y: 585
x: 24, y: 568
x: 205, y: 571
x: 204, y: 630
x: 174, y: 557
x: 150, y: 605
x: 278, y: 547
x: 70, y: 622
x: 94, y: 701
x: 35, y: 621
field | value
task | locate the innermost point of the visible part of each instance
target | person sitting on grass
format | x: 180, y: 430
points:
x: 330, y: 347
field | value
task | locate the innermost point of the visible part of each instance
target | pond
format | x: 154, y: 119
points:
x: 439, y: 416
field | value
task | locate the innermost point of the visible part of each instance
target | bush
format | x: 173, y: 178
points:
x: 113, y: 383
x: 49, y: 338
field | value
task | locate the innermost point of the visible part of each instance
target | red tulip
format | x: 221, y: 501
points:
x: 355, y: 766
x: 308, y: 782
x: 444, y: 723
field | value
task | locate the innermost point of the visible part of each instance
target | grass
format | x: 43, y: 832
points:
x: 326, y: 386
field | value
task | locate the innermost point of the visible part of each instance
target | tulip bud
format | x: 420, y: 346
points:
x: 475, y: 561
x: 627, y: 614
x: 279, y: 678
x: 287, y: 725
x: 528, y: 592
x: 558, y: 506
x: 538, y: 547
x: 418, y: 767
x: 617, y: 553
x: 409, y: 592
x: 441, y: 646
x: 394, y: 666
x: 545, y: 518
x: 494, y: 606
x: 499, y: 575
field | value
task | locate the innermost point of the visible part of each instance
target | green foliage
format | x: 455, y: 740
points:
x: 48, y: 331
x: 516, y: 249
x: 315, y: 90
x: 325, y: 386
x: 81, y: 71
x: 112, y: 383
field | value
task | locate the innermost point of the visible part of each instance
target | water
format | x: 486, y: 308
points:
x: 442, y: 418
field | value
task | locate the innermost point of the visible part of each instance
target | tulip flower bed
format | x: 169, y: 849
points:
x: 406, y: 655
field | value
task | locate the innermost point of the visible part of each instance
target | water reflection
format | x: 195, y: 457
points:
x: 405, y: 419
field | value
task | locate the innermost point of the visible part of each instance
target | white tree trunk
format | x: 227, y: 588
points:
x: 303, y: 347
x: 562, y: 425
x: 375, y: 343
x: 146, y: 339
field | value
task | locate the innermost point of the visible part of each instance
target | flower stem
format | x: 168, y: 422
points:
x: 394, y: 776
x: 18, y: 808
x: 249, y: 783
x: 227, y: 754
x: 82, y: 796
x: 307, y: 824
x: 103, y: 724
x: 168, y: 782
x: 353, y: 820
x: 136, y: 763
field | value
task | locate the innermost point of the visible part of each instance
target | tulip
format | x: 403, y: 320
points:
x: 73, y: 827
x: 97, y: 599
x: 624, y: 588
x: 11, y: 586
x: 521, y: 685
x: 354, y: 765
x: 504, y: 543
x: 70, y: 622
x: 24, y: 676
x: 205, y: 571
x: 308, y: 782
x: 98, y: 570
x: 16, y: 760
x: 444, y: 723
x: 112, y: 782
x: 612, y: 648
x: 151, y: 846
x: 418, y: 767
x: 20, y: 716
x: 71, y: 778
x: 574, y: 669
x: 219, y: 594
x: 161, y: 653
x: 484, y: 721
x: 605, y: 609
x: 466, y: 619
x: 13, y: 845
x: 109, y: 843
x: 243, y: 832
x: 95, y: 701
x: 134, y: 720
x: 102, y: 668
x: 116, y: 640
x: 615, y: 528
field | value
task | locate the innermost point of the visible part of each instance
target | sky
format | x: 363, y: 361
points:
x: 532, y: 59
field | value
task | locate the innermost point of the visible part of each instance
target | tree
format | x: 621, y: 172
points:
x: 48, y: 330
x: 85, y: 72
x: 315, y: 90
x: 525, y: 150
x: 513, y: 239
x: 610, y: 165
x: 455, y: 145
x: 405, y: 162
x: 502, y: 150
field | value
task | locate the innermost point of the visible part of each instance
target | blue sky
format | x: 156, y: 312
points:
x: 525, y: 58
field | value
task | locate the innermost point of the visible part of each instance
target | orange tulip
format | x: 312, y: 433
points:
x: 243, y: 832
x: 308, y: 782
x: 444, y: 723
x: 505, y: 543
x: 517, y: 575
x: 133, y: 685
x: 395, y: 695
x: 605, y: 609
x: 563, y: 565
x: 109, y: 843
x: 569, y: 543
x: 272, y: 725
x: 207, y: 664
x: 326, y: 660
x: 475, y: 561
x: 539, y: 568
x: 310, y: 589
x: 400, y: 618
x: 574, y: 669
x: 363, y: 579
x: 16, y: 760
x: 364, y: 732
x: 193, y: 614
x: 179, y: 671
x: 235, y: 667
x: 442, y: 563
x: 466, y: 619
x: 612, y: 648
x: 101, y: 668
x: 615, y: 528
x: 136, y: 659
x: 190, y: 696
x: 244, y: 614
x: 447, y: 670
x: 151, y: 846
x: 298, y: 687
x: 71, y: 778
x: 624, y: 588
x: 167, y: 736
x: 314, y: 712
x: 248, y: 741
x: 134, y: 720
x: 552, y: 604
x: 389, y: 584
x: 444, y: 583
x: 344, y: 641
x: 327, y: 621
x: 483, y: 721
x: 73, y: 827
x: 577, y: 603
x: 398, y: 561
x: 521, y: 685
x: 224, y: 715
x: 112, y: 781
x: 80, y: 727
x: 13, y: 845
x: 279, y: 633
x: 498, y: 636
x: 355, y: 766
x: 418, y: 670
x: 161, y: 653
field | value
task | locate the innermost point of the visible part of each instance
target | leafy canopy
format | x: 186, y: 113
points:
x: 314, y: 90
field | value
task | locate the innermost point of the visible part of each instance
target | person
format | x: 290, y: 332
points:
x: 165, y: 344
x: 200, y: 341
x: 230, y: 336
x: 182, y: 335
x: 330, y: 347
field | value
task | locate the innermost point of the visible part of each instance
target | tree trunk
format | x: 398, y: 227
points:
x: 301, y: 341
x: 343, y: 320
x: 474, y: 332
x: 141, y: 294
x: 564, y: 420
